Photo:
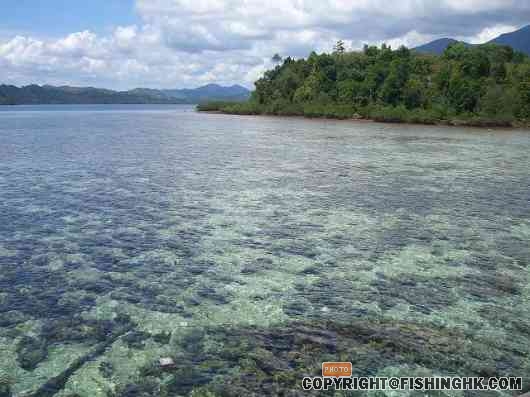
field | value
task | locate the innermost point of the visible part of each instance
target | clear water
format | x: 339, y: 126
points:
x: 251, y: 249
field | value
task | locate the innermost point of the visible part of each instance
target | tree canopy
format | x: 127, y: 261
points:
x: 487, y: 83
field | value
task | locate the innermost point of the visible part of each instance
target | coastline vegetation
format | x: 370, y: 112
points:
x: 486, y: 85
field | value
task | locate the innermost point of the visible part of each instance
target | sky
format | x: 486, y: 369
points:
x: 123, y: 44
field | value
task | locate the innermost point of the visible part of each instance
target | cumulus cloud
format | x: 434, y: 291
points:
x: 489, y: 33
x: 190, y: 42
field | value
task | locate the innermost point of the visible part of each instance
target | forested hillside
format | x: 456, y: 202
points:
x: 36, y: 95
x: 480, y: 85
x: 47, y: 94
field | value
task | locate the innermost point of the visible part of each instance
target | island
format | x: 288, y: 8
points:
x: 482, y: 85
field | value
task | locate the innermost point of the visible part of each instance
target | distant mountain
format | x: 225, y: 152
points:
x: 436, y: 47
x: 35, y: 94
x: 518, y: 40
x: 47, y: 94
x: 209, y: 92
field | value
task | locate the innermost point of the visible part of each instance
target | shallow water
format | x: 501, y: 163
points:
x: 251, y: 249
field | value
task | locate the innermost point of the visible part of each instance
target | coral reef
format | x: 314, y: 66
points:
x: 248, y: 257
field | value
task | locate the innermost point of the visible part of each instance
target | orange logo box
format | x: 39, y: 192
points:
x: 337, y: 370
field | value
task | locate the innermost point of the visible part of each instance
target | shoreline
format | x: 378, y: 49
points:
x: 442, y: 123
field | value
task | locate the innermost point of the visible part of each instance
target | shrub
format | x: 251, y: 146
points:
x: 241, y: 108
x: 390, y: 114
x: 422, y: 116
x: 329, y: 110
x: 212, y: 106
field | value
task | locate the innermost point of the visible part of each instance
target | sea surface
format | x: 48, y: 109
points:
x: 251, y: 249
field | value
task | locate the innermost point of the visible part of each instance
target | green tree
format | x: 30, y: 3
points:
x: 339, y: 47
x: 498, y: 102
x: 392, y: 90
x: 346, y: 91
x: 487, y: 81
x: 309, y: 90
x: 463, y: 93
x: 413, y: 95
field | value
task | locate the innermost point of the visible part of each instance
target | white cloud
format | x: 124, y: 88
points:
x: 478, y: 5
x: 490, y: 33
x: 189, y: 42
x: 410, y: 39
x: 125, y: 37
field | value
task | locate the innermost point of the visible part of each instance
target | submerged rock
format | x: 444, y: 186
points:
x: 106, y: 369
x: 163, y: 338
x: 6, y: 386
x: 12, y: 317
x: 30, y: 352
x: 147, y: 388
x: 5, y: 390
x: 136, y: 339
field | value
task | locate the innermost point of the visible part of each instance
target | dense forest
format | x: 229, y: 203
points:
x: 474, y: 85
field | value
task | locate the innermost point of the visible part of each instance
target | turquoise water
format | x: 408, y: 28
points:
x: 251, y: 249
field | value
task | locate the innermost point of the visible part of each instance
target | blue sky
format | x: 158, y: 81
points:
x: 60, y: 17
x: 123, y: 44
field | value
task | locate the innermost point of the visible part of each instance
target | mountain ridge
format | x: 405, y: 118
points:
x: 519, y: 40
x: 34, y: 94
x: 437, y: 46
